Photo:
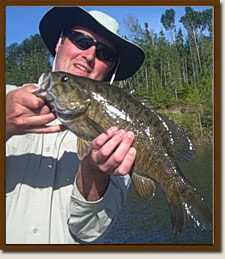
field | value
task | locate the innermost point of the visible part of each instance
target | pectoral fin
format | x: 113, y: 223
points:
x: 83, y: 148
x: 144, y: 186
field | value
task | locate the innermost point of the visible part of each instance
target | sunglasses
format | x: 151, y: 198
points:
x: 84, y: 42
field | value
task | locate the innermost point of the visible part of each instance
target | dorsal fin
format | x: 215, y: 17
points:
x: 181, y: 144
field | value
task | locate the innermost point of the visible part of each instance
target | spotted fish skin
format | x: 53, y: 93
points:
x: 88, y: 108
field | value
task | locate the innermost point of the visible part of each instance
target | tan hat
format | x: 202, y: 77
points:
x: 58, y: 19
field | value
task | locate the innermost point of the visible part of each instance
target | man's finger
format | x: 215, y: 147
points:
x: 42, y: 110
x: 103, y: 154
x: 24, y: 97
x: 127, y: 163
x: 120, y: 153
x: 46, y: 129
x: 98, y: 142
x: 38, y: 120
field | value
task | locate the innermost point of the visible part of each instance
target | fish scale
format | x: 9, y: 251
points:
x: 159, y: 142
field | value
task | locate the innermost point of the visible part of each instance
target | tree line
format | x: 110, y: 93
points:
x: 176, y: 77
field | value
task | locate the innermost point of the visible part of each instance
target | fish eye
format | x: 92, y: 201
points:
x: 64, y: 79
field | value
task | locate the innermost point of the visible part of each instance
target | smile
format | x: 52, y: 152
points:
x: 82, y: 68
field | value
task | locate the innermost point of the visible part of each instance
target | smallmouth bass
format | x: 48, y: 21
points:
x: 88, y: 108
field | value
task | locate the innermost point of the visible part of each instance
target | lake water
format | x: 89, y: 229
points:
x: 148, y: 222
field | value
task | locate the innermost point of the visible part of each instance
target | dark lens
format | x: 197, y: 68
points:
x: 84, y: 43
x: 80, y: 40
x: 105, y: 53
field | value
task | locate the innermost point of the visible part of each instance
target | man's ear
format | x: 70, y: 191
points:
x: 59, y: 45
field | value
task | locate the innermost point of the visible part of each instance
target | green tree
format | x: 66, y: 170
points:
x: 168, y: 21
x: 191, y: 21
x: 25, y: 62
x: 206, y: 20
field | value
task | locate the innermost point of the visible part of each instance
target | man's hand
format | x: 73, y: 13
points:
x: 111, y: 154
x: 27, y: 113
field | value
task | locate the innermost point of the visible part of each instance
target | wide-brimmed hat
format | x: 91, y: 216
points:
x: 58, y: 19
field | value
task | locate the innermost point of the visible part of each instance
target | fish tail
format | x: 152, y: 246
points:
x: 188, y: 209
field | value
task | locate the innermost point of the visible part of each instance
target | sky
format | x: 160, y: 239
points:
x: 23, y: 21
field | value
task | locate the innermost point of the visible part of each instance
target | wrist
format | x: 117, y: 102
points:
x: 91, y: 182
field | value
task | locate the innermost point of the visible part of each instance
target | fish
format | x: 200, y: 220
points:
x: 88, y: 108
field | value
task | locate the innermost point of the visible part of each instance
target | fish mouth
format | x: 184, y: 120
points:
x: 45, y: 95
x: 44, y: 81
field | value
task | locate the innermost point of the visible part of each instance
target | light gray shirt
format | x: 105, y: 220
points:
x: 43, y: 204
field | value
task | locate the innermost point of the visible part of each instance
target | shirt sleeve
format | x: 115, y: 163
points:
x: 9, y: 88
x: 89, y: 221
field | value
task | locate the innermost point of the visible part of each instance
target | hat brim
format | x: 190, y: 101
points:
x: 60, y: 18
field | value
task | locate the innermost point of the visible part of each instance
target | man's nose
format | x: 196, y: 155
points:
x: 90, y: 53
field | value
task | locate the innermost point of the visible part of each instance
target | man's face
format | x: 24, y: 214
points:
x: 79, y: 62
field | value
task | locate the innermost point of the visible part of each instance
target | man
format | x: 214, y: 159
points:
x: 52, y: 197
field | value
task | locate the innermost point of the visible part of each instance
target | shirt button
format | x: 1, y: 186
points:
x: 35, y: 230
x: 47, y: 149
